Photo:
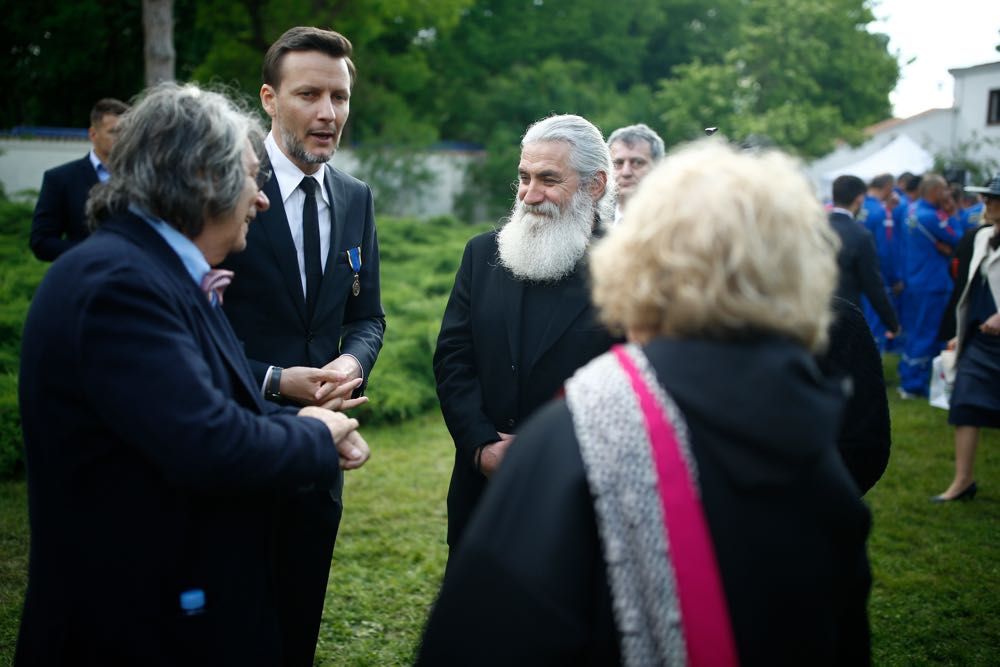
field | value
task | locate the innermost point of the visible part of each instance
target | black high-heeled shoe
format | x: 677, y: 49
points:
x: 968, y: 493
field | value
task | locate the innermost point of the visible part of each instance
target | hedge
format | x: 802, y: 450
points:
x: 419, y: 260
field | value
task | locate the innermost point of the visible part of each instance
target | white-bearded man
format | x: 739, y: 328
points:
x: 519, y: 321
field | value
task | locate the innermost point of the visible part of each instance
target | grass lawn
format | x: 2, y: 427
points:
x: 935, y: 600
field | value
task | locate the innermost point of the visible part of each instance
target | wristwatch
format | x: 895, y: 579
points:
x: 273, y: 391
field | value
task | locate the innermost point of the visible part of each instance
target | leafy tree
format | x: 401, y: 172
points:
x: 802, y: 73
x: 158, y: 32
x: 60, y: 57
x: 976, y: 156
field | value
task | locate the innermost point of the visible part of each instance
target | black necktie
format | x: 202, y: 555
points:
x: 310, y: 243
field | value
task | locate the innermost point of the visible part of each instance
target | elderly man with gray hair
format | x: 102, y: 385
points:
x: 519, y: 320
x: 635, y: 149
x: 153, y: 462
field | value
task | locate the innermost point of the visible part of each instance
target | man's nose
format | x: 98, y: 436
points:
x: 327, y: 111
x: 261, y: 202
x: 533, y: 194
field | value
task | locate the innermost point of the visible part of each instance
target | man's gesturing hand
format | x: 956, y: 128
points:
x: 337, y: 395
x: 353, y: 449
x: 325, y: 387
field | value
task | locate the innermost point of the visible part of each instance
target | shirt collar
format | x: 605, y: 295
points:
x: 287, y: 174
x: 842, y: 211
x: 189, y: 254
x: 102, y: 171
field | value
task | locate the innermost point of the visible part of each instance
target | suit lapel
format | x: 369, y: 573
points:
x: 573, y: 300
x: 230, y: 347
x: 338, y: 215
x: 212, y: 318
x: 275, y: 225
x: 338, y: 218
x: 87, y: 172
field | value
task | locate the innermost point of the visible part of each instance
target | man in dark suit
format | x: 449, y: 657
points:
x: 857, y: 259
x: 519, y: 320
x: 60, y: 221
x: 151, y: 509
x: 306, y: 302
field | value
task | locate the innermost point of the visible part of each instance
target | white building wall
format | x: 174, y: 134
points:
x: 972, y: 89
x: 24, y: 161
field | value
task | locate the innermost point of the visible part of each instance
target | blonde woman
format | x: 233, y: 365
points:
x: 685, y: 503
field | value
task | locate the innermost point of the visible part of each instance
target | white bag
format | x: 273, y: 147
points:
x: 940, y: 391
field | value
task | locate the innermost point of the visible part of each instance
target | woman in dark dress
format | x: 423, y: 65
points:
x: 975, y: 398
x: 721, y: 274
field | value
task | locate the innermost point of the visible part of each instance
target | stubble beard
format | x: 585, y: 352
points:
x: 543, y: 243
x: 297, y: 149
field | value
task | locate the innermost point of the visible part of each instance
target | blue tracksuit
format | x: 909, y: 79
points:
x: 972, y: 216
x: 928, y: 287
x: 879, y: 223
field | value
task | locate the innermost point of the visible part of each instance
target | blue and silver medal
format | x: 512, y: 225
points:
x: 354, y: 259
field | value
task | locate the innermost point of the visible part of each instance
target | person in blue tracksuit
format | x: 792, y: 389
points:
x: 910, y: 186
x: 972, y: 211
x: 875, y: 215
x: 933, y: 231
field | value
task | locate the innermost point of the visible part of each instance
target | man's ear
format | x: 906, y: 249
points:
x: 267, y: 99
x: 91, y: 132
x: 599, y: 185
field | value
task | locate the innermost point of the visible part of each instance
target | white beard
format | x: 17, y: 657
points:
x: 543, y: 243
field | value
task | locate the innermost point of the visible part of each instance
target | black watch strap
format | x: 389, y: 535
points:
x: 273, y: 392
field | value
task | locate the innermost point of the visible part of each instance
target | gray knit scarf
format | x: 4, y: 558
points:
x: 615, y: 447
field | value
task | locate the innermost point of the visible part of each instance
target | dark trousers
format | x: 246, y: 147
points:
x: 305, y: 533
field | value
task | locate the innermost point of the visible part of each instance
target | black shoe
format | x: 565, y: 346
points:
x: 967, y: 494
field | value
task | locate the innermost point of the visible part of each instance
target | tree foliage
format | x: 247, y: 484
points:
x: 803, y: 73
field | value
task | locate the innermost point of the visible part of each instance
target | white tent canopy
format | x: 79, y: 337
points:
x: 899, y: 155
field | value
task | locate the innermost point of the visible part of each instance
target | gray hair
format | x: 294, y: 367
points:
x: 178, y: 157
x: 631, y: 134
x: 588, y: 153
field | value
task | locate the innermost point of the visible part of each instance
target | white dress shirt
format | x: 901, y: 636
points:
x: 292, y: 198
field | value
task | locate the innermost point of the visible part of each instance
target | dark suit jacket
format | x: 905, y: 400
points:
x: 864, y: 437
x: 859, y: 272
x: 265, y: 303
x: 480, y: 387
x: 60, y: 221
x: 267, y: 309
x: 785, y: 520
x: 152, y: 465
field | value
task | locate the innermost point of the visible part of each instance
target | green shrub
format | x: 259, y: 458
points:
x: 20, y: 274
x: 11, y: 450
x: 419, y: 260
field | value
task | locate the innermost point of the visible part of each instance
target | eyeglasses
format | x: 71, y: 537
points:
x: 263, y: 176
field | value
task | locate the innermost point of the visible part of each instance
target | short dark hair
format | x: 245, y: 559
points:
x: 846, y: 189
x: 178, y: 158
x: 107, y: 106
x: 913, y: 184
x: 305, y: 38
x: 881, y: 181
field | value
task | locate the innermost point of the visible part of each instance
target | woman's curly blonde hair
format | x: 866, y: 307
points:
x: 722, y: 244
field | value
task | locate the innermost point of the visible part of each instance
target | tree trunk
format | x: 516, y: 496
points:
x: 158, y: 28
